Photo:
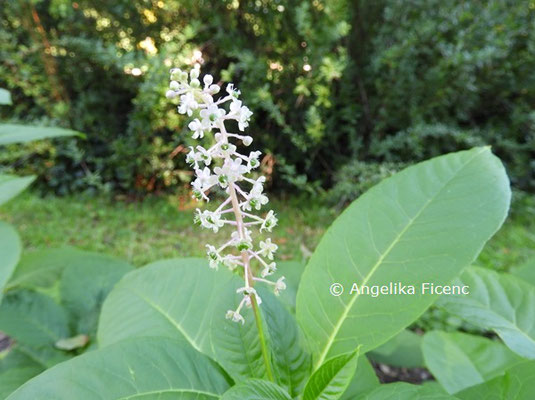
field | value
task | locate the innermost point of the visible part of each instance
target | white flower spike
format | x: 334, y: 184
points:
x: 223, y: 166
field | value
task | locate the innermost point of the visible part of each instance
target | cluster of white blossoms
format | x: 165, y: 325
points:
x: 223, y: 166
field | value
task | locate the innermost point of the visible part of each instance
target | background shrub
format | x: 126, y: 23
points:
x: 330, y: 82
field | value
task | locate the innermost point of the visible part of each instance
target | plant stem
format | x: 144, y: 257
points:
x: 262, y: 338
x: 249, y: 282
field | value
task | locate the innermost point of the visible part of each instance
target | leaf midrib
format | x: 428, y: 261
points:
x: 193, y: 391
x: 170, y: 319
x: 368, y: 276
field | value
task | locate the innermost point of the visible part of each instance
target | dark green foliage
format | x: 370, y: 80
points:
x: 389, y: 81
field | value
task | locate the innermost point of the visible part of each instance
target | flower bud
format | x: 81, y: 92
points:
x: 208, y: 80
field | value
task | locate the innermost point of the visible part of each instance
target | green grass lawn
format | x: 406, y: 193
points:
x: 161, y: 227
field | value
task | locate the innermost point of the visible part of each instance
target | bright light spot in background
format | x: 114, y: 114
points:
x: 136, y: 71
x: 280, y: 8
x: 307, y: 67
x: 275, y: 65
x: 149, y: 46
x: 149, y: 16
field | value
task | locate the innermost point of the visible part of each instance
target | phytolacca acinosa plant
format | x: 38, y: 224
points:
x: 223, y: 166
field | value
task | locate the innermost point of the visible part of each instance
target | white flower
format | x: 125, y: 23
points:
x: 193, y: 158
x: 241, y: 113
x: 232, y: 92
x: 210, y: 220
x: 235, y: 316
x: 247, y: 293
x: 253, y: 162
x: 205, y: 177
x: 247, y: 140
x: 268, y: 248
x: 198, y: 128
x: 236, y: 238
x: 269, y: 269
x: 187, y: 104
x: 211, y: 115
x: 279, y: 285
x: 231, y: 261
x: 256, y: 199
x: 269, y: 222
x: 204, y: 155
x: 231, y: 171
x: 226, y: 150
x: 213, y: 256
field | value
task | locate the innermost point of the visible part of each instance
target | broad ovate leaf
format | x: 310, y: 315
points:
x: 12, y: 185
x: 406, y: 391
x: 364, y: 380
x: 403, y: 350
x: 237, y: 346
x: 330, y: 380
x: 13, y: 133
x: 292, y: 271
x: 256, y: 389
x: 424, y: 224
x: 43, y: 268
x: 459, y: 360
x: 525, y: 271
x: 169, y: 298
x: 499, y: 302
x: 13, y: 378
x: 84, y: 285
x: 517, y: 383
x: 10, y: 249
x: 33, y: 319
x: 132, y: 369
x: 291, y: 362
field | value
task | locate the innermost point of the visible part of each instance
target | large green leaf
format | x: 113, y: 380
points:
x: 85, y: 284
x: 526, y: 271
x: 290, y: 360
x: 406, y: 391
x: 256, y: 389
x: 33, y: 319
x: 10, y: 249
x: 13, y: 378
x: 11, y: 133
x: 364, y: 380
x: 43, y: 268
x: 237, y: 346
x: 424, y: 224
x: 185, y: 298
x: 458, y: 360
x: 12, y: 185
x: 5, y: 97
x: 292, y: 271
x: 403, y: 350
x: 138, y: 368
x: 517, y: 383
x: 331, y: 379
x: 170, y: 298
x: 499, y: 302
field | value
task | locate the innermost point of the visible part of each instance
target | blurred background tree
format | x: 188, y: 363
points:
x: 340, y: 89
